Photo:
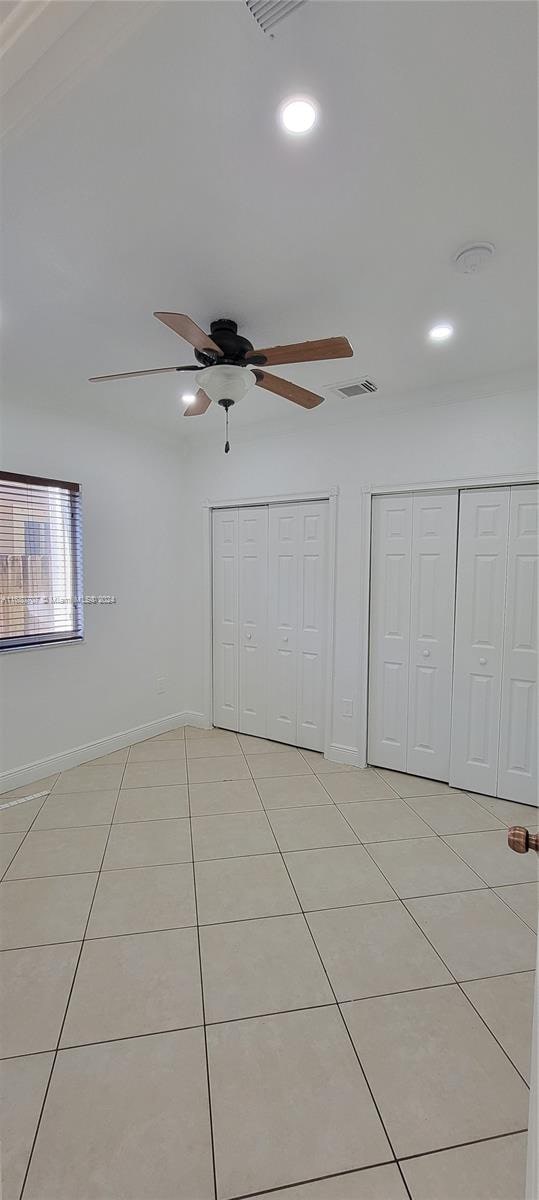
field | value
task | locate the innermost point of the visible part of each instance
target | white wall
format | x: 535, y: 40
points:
x: 409, y: 442
x: 143, y: 499
x: 56, y: 699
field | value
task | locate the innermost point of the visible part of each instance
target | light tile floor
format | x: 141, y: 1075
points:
x: 232, y: 969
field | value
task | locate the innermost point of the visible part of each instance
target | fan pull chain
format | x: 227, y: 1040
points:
x: 227, y: 443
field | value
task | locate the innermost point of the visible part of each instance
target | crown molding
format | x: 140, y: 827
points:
x: 19, y: 18
x: 46, y: 47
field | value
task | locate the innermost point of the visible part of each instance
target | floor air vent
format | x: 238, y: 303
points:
x: 269, y: 13
x: 358, y: 388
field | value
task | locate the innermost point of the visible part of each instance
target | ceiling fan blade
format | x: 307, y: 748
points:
x: 187, y: 329
x: 133, y: 374
x: 202, y: 402
x: 290, y: 391
x: 337, y: 347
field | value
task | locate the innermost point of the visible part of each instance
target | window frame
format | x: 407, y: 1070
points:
x: 36, y: 641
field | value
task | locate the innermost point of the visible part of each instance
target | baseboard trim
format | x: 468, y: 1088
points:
x: 82, y: 754
x: 345, y: 754
x: 118, y: 741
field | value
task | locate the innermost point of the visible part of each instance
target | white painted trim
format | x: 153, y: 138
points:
x: 345, y: 755
x: 515, y: 479
x: 326, y: 494
x: 54, y: 51
x: 464, y: 481
x: 330, y: 630
x: 82, y: 754
x: 283, y: 498
x: 364, y: 631
x: 207, y: 601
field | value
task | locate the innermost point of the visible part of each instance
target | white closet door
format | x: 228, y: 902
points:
x: 253, y: 608
x: 284, y: 526
x: 312, y: 625
x: 432, y: 607
x: 390, y: 630
x: 517, y: 767
x: 481, y: 575
x: 225, y: 618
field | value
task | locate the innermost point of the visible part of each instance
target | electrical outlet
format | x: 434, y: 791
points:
x: 160, y: 685
x: 348, y: 708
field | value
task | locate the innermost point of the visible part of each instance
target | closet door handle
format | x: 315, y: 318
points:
x: 521, y: 840
x: 248, y: 635
x: 426, y: 653
x: 285, y: 638
x: 482, y: 662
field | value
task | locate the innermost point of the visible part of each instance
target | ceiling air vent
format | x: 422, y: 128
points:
x: 358, y: 388
x: 269, y: 13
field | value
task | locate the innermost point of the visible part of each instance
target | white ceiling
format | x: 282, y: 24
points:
x: 150, y: 173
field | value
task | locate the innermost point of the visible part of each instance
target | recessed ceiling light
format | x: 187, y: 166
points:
x: 441, y: 333
x: 189, y: 397
x: 298, y: 114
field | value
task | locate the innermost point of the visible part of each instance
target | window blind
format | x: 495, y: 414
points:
x: 40, y: 561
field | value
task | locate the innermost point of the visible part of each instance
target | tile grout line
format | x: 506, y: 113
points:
x: 508, y: 906
x: 347, y: 1031
x: 448, y: 968
x: 376, y: 1166
x: 280, y: 1012
x: 201, y: 975
x: 494, y: 1137
x: 70, y: 992
x: 285, y: 1187
x: 26, y: 832
x: 309, y: 771
x: 398, y: 898
x: 442, y: 960
x: 491, y: 887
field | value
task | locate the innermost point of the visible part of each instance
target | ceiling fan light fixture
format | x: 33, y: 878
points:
x: 226, y: 382
x: 298, y: 114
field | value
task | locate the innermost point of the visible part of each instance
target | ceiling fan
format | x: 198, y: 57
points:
x: 231, y: 366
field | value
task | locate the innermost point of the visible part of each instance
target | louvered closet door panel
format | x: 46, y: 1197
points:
x: 312, y: 624
x: 390, y: 630
x: 253, y: 614
x: 517, y: 766
x: 434, y: 537
x: 284, y: 528
x: 477, y: 676
x: 225, y: 618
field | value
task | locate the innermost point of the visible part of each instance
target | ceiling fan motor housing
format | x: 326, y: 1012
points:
x: 224, y: 333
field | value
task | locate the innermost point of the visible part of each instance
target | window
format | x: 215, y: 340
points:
x: 40, y: 561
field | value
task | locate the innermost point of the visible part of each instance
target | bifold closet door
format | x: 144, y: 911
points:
x: 411, y: 642
x: 389, y: 630
x: 312, y: 625
x: 297, y: 588
x: 225, y: 618
x: 517, y: 764
x: 283, y: 623
x: 479, y: 629
x: 432, y: 615
x: 253, y: 618
x: 240, y: 575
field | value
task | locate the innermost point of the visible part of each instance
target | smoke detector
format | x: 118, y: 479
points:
x: 473, y: 258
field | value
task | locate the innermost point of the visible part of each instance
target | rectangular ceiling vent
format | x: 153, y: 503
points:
x: 269, y: 13
x: 358, y: 388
